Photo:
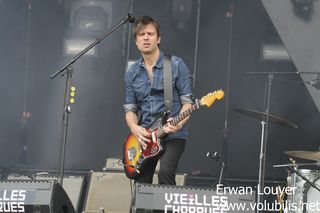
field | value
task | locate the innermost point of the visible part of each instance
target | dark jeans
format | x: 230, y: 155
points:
x: 168, y: 163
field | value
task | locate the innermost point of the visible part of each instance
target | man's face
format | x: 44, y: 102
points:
x: 147, y: 39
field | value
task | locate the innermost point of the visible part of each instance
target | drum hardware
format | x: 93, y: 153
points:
x: 305, y: 182
x: 265, y: 118
x: 305, y: 194
x: 296, y: 171
x: 295, y: 165
x: 311, y: 195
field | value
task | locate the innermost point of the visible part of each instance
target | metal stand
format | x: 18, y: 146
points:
x: 264, y: 136
x: 216, y: 156
x: 26, y: 115
x: 65, y: 122
x: 225, y: 141
x: 264, y: 126
x: 196, y: 45
x: 221, y: 172
x: 68, y: 68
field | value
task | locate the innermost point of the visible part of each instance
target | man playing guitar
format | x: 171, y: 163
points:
x: 145, y: 101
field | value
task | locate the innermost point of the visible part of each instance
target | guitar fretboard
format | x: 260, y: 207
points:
x: 180, y: 117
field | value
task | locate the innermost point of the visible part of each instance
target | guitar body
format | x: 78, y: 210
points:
x: 134, y: 157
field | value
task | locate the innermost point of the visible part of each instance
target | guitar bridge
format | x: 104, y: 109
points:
x: 154, y: 150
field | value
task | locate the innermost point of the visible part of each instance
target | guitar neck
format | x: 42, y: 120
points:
x: 207, y: 100
x: 185, y: 114
x: 180, y: 117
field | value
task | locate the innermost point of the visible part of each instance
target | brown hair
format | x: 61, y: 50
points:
x: 145, y: 20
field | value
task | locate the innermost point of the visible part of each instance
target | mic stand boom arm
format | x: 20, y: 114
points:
x: 68, y: 68
x: 123, y: 20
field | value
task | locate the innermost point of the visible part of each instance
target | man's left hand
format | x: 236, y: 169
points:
x: 168, y: 128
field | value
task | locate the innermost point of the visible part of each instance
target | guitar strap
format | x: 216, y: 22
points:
x: 167, y: 82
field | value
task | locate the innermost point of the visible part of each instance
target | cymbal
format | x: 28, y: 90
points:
x: 262, y: 116
x: 309, y: 155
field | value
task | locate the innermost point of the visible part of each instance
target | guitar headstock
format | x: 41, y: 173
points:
x: 210, y: 98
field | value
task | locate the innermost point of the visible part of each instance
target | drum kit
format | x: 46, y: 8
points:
x: 306, y: 182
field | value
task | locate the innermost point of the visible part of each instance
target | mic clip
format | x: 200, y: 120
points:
x: 214, y: 156
x: 131, y: 18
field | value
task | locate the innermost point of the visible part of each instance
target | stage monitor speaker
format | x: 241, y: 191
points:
x: 111, y: 191
x: 34, y: 196
x: 73, y: 185
x: 164, y: 198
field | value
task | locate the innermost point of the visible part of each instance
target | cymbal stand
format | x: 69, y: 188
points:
x: 264, y: 128
x: 264, y: 136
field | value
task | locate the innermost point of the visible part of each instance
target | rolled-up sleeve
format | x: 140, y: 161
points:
x: 131, y: 101
x: 130, y: 107
x: 186, y: 99
x: 183, y: 83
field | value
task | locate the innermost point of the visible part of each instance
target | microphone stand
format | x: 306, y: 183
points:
x: 217, y: 157
x: 264, y: 135
x: 69, y: 70
x: 221, y: 171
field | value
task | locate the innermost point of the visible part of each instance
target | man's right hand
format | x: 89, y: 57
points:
x: 142, y: 135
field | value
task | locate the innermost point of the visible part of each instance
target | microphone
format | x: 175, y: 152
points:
x: 214, y: 156
x: 131, y: 18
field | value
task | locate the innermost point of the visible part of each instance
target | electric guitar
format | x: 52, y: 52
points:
x: 134, y: 157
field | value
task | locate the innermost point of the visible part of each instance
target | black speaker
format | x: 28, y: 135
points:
x: 73, y: 185
x: 34, y: 196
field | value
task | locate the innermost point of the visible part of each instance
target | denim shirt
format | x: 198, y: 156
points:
x: 147, y: 98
